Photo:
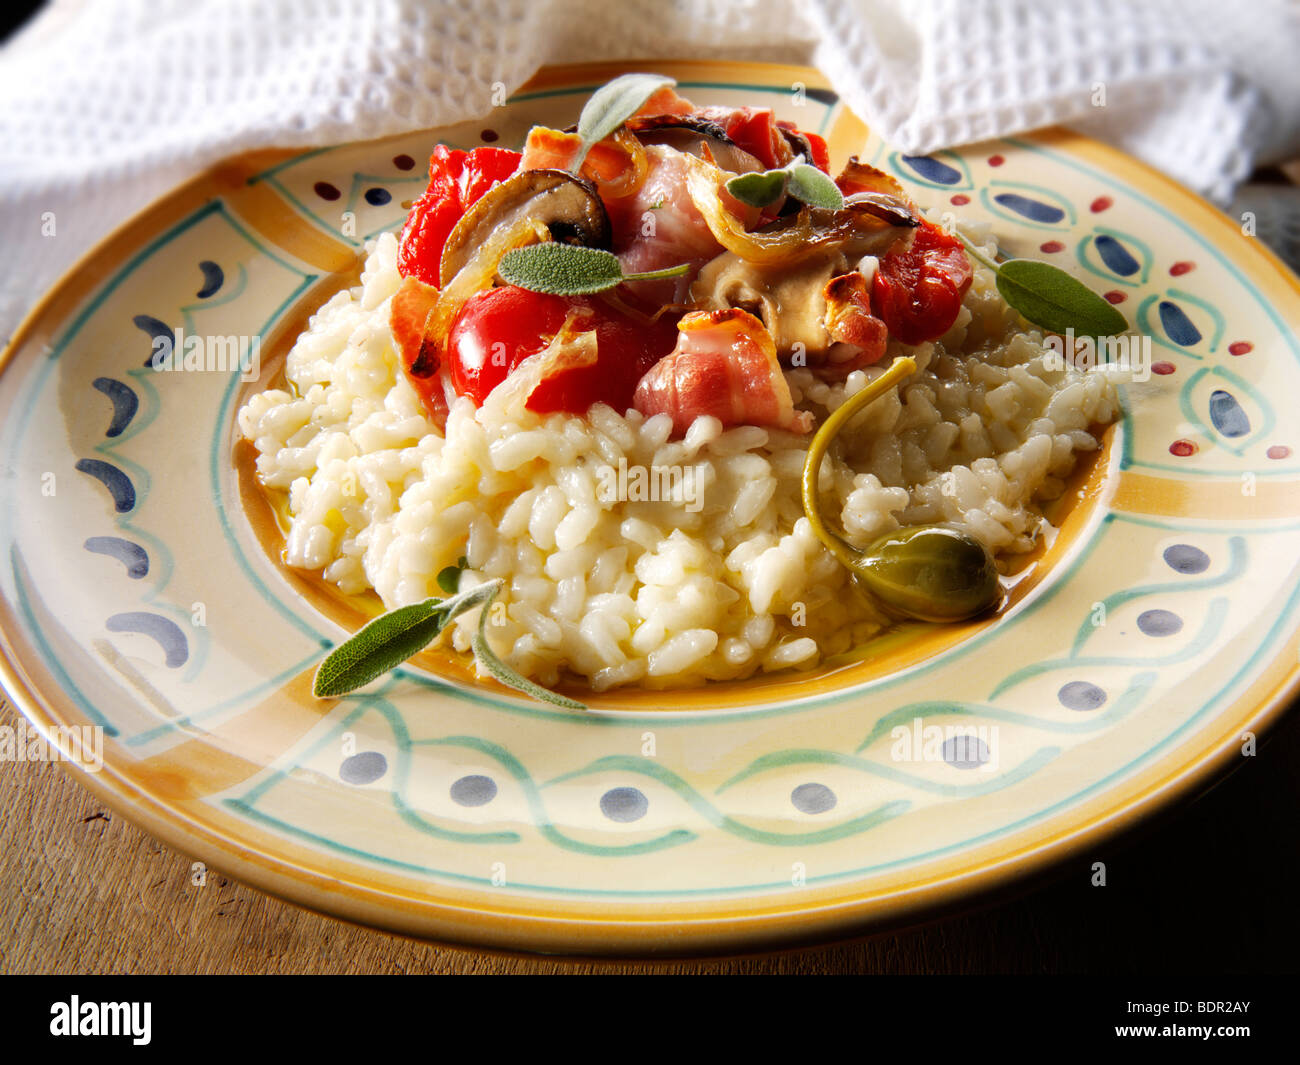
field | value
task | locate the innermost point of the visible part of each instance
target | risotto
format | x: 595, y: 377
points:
x: 610, y: 393
x: 704, y: 567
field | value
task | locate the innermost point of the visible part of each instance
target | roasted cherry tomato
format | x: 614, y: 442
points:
x: 497, y: 329
x: 757, y: 131
x: 754, y: 129
x: 917, y: 292
x: 456, y: 180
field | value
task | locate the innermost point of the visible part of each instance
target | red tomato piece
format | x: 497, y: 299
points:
x: 754, y: 130
x: 917, y: 293
x: 456, y: 180
x: 497, y: 329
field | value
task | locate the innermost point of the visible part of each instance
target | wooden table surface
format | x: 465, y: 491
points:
x: 1211, y: 889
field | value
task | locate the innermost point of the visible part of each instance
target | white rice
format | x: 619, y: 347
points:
x: 655, y: 593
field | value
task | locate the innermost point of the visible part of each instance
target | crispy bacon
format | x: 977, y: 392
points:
x: 617, y: 165
x: 724, y: 365
x: 860, y: 336
x: 860, y: 177
x: 550, y: 149
x: 665, y: 101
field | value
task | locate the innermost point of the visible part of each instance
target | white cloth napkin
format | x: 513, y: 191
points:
x: 106, y: 104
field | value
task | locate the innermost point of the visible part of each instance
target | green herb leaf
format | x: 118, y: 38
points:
x: 814, y: 188
x: 560, y: 269
x: 759, y: 190
x: 804, y: 182
x: 390, y: 639
x: 570, y: 270
x: 1048, y: 296
x: 507, y: 676
x: 449, y: 578
x: 613, y: 104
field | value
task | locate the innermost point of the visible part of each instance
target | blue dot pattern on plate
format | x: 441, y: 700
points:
x: 1080, y: 695
x: 213, y: 278
x: 163, y: 631
x: 377, y: 197
x: 475, y: 790
x: 1226, y: 414
x: 1159, y: 622
x: 118, y: 483
x: 363, y: 768
x: 134, y: 557
x: 1184, y: 558
x: 1116, y: 256
x: 1177, y: 325
x: 125, y: 403
x: 965, y: 752
x: 624, y: 804
x: 1034, y: 210
x: 161, y: 338
x: 933, y: 169
x: 813, y: 798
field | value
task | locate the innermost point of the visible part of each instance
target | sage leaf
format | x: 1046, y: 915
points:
x: 804, y: 182
x: 759, y: 190
x: 1048, y: 296
x: 561, y: 269
x: 390, y: 639
x: 814, y: 188
x: 449, y: 578
x: 613, y: 104
x: 570, y: 270
x: 507, y: 676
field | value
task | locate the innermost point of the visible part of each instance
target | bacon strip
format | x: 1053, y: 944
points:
x: 860, y: 177
x: 724, y: 365
x: 860, y: 336
x: 408, y: 320
x: 617, y: 164
x: 665, y: 101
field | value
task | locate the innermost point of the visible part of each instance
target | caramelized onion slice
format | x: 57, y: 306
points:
x: 862, y: 226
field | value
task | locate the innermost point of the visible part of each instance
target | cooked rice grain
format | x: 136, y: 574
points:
x: 654, y: 591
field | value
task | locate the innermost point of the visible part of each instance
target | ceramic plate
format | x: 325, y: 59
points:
x: 142, y: 592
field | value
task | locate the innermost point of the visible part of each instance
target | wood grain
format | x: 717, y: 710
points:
x: 1212, y: 889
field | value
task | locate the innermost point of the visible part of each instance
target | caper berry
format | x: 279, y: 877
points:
x: 930, y: 572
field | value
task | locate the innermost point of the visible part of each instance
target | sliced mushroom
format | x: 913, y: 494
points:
x: 789, y: 299
x: 696, y: 136
x: 533, y: 205
x: 817, y: 310
x: 797, y: 143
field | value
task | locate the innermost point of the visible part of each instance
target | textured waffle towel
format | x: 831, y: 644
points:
x: 106, y: 104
